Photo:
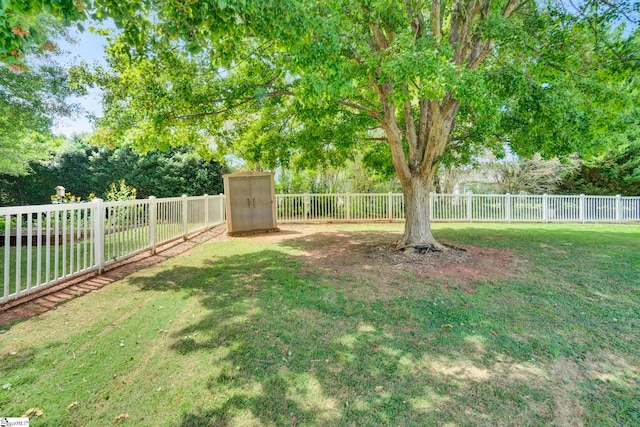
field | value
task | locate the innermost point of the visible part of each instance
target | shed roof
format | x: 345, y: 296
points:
x: 248, y: 173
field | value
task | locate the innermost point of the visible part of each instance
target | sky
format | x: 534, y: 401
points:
x: 89, y: 48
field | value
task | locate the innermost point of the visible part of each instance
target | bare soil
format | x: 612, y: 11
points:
x: 371, y: 257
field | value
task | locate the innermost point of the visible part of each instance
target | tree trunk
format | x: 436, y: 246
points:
x: 417, y: 228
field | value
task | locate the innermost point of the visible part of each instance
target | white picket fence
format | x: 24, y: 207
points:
x: 46, y: 245
x: 459, y: 207
x: 49, y: 244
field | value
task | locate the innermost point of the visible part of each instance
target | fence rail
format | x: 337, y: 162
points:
x: 459, y: 207
x: 48, y: 244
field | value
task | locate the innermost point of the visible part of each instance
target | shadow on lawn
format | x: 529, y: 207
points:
x: 301, y: 351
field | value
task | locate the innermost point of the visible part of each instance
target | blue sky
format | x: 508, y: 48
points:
x: 89, y: 48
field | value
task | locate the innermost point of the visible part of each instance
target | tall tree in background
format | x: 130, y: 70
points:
x: 617, y: 171
x: 84, y: 169
x: 29, y: 102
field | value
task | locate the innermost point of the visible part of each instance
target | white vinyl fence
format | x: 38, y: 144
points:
x: 48, y: 244
x: 459, y: 207
x: 41, y: 246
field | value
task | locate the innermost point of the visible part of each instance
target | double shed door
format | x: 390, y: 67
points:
x: 251, y: 203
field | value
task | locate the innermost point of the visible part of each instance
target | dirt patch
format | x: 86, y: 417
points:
x: 464, y: 264
x: 374, y: 251
x: 371, y: 256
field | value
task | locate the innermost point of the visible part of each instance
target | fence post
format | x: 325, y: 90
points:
x: 545, y: 207
x: 305, y: 206
x: 507, y: 207
x: 390, y: 206
x: 469, y: 205
x: 185, y: 213
x: 581, y: 209
x: 223, y: 212
x: 618, y: 208
x: 206, y: 211
x: 7, y: 253
x: 347, y: 205
x: 153, y: 220
x: 431, y: 195
x: 98, y: 234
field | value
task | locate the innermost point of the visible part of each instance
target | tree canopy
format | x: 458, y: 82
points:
x: 23, y: 30
x: 312, y: 82
x: 435, y: 80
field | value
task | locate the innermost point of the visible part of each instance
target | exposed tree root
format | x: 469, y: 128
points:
x: 422, y: 248
x: 429, y: 248
x: 454, y: 247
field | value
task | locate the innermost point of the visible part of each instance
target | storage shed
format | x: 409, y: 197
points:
x: 250, y: 202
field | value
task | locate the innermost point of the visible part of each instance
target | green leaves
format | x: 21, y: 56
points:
x: 307, y: 82
x: 22, y: 30
x: 29, y: 101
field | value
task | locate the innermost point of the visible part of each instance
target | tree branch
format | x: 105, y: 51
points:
x: 380, y: 39
x: 481, y: 48
x: 423, y: 121
x: 240, y: 102
x: 392, y: 130
x: 512, y: 7
x: 375, y: 114
x: 436, y: 19
x: 461, y: 26
x: 410, y: 128
x: 416, y: 19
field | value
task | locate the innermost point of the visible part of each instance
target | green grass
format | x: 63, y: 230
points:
x: 251, y: 332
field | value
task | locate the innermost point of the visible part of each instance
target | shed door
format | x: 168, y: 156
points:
x: 262, y: 202
x: 241, y: 201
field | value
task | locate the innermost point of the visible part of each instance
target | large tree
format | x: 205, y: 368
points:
x: 435, y: 80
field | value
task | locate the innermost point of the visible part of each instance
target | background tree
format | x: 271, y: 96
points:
x: 29, y: 102
x: 84, y: 169
x: 354, y: 176
x: 438, y: 80
x: 617, y: 171
x: 532, y: 176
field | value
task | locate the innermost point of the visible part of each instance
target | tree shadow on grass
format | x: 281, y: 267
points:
x: 299, y: 350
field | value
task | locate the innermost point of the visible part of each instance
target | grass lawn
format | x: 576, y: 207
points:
x: 313, y: 326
